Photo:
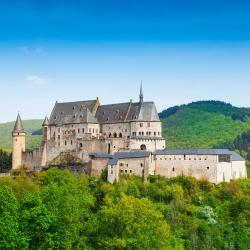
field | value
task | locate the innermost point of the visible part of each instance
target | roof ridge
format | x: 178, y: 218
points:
x: 75, y: 102
x: 114, y: 104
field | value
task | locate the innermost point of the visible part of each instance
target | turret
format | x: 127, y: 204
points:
x: 141, y: 94
x: 18, y: 143
x: 46, y: 132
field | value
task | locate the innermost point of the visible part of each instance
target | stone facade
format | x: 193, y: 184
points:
x: 86, y: 126
x: 214, y: 165
x: 124, y: 138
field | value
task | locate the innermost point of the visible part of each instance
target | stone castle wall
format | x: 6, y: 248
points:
x: 32, y: 158
x: 198, y: 166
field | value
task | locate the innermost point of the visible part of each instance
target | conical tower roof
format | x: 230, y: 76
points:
x: 46, y: 121
x: 18, y: 125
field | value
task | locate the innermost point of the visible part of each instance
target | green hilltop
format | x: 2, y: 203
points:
x: 203, y: 124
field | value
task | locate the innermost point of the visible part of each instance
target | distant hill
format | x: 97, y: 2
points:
x: 30, y: 126
x: 203, y: 124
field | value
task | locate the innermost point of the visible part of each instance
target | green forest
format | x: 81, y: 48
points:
x: 58, y: 210
x: 203, y: 124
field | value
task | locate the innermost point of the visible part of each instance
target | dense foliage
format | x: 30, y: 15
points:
x: 241, y: 144
x: 5, y: 161
x: 204, y: 124
x: 58, y: 210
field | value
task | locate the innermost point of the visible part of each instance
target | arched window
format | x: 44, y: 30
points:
x: 143, y: 147
x: 110, y: 135
x: 120, y: 135
x: 80, y: 145
x: 115, y: 135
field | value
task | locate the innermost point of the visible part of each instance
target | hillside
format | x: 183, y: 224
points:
x: 203, y: 124
x: 30, y: 126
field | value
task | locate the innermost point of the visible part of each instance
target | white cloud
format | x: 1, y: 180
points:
x: 38, y: 51
x: 36, y: 80
x: 31, y: 51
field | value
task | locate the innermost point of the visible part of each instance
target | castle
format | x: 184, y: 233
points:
x: 124, y: 138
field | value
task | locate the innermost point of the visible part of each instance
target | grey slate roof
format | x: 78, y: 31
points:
x: 125, y: 112
x: 18, y: 125
x: 192, y: 152
x: 235, y: 156
x: 80, y: 112
x: 112, y: 113
x: 127, y: 155
x: 100, y: 155
x: 72, y: 112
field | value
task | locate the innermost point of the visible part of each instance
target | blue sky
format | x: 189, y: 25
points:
x: 74, y: 50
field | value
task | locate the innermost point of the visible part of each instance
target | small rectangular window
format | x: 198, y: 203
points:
x: 224, y: 158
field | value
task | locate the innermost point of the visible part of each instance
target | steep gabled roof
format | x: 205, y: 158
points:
x: 69, y: 112
x: 112, y: 113
x: 125, y: 112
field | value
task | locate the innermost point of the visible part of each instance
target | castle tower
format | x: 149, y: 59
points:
x: 46, y: 138
x: 18, y: 143
x: 46, y: 132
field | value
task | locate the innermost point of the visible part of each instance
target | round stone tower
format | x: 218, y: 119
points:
x: 46, y: 130
x: 18, y: 143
